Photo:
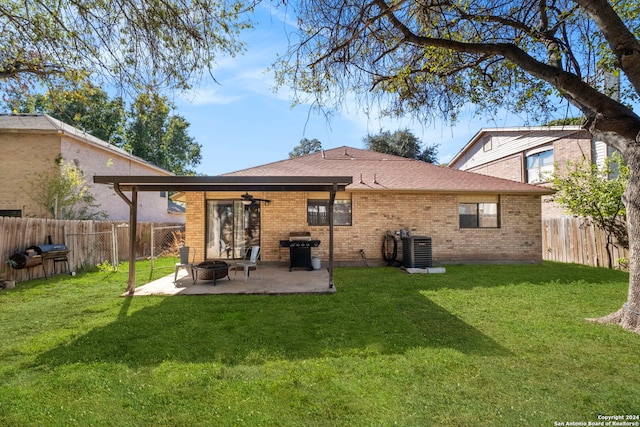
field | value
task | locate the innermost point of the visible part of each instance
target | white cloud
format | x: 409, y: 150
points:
x: 210, y: 96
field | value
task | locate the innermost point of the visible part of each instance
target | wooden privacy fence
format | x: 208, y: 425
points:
x: 574, y: 240
x: 90, y: 242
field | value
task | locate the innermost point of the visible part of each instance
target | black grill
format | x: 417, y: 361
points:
x: 300, y: 245
x: 54, y: 251
x: 37, y: 255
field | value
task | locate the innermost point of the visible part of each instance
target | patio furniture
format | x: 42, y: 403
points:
x: 211, y: 270
x: 184, y: 263
x: 251, y: 262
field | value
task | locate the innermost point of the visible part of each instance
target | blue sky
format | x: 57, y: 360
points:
x: 241, y: 122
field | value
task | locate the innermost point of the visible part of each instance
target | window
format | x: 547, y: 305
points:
x: 539, y: 166
x: 614, y: 168
x: 17, y: 213
x: 487, y: 143
x: 232, y: 227
x: 478, y: 215
x: 318, y: 212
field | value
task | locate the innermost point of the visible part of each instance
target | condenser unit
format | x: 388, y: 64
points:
x: 416, y: 252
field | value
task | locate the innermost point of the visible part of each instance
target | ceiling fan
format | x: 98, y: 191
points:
x: 248, y: 199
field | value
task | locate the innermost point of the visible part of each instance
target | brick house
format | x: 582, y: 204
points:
x: 529, y: 154
x: 469, y: 217
x: 32, y: 143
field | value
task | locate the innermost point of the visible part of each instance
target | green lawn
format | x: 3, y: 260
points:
x: 478, y: 345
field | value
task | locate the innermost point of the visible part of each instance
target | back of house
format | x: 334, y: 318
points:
x: 468, y: 217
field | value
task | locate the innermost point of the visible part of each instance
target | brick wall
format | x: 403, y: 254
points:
x: 511, y: 167
x: 23, y: 158
x: 373, y: 213
x: 195, y: 226
x: 28, y: 155
x: 564, y: 150
x: 574, y: 149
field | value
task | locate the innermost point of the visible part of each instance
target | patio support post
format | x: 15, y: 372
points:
x: 133, y: 228
x: 133, y: 225
x: 332, y: 198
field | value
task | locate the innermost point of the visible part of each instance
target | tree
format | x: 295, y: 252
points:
x: 63, y: 193
x: 88, y: 108
x: 134, y: 44
x: 432, y: 58
x: 566, y: 121
x: 401, y: 143
x: 595, y: 193
x: 160, y: 138
x: 305, y: 147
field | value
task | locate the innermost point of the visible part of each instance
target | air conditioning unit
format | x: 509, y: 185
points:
x: 416, y: 252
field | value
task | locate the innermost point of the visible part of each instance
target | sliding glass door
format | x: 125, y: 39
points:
x: 232, y: 228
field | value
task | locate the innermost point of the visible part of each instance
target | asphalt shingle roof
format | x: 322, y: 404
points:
x: 43, y: 123
x: 377, y: 171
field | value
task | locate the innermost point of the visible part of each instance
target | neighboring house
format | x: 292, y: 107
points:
x: 529, y: 154
x: 469, y: 217
x: 32, y: 143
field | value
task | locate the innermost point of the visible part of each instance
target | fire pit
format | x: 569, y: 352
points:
x: 210, y: 270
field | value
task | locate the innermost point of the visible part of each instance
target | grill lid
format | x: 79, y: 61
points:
x: 300, y: 236
x: 43, y: 249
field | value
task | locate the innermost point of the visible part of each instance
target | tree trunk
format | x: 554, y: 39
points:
x: 629, y: 315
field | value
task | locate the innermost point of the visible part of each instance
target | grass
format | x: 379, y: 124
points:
x: 478, y: 345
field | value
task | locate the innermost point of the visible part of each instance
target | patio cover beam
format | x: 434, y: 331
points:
x: 226, y: 183
x: 134, y: 184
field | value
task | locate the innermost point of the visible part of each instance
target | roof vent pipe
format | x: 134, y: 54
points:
x: 375, y: 181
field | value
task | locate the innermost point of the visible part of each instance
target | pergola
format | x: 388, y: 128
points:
x: 135, y: 184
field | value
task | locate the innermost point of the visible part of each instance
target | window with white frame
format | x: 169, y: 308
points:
x: 539, y: 166
x: 487, y: 143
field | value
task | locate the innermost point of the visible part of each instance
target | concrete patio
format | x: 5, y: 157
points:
x: 272, y: 279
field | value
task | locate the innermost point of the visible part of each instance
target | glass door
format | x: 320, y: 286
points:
x: 232, y: 228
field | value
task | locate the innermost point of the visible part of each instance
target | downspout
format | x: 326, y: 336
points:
x: 133, y: 224
x: 332, y: 199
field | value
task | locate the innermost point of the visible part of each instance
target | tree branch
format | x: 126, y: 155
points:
x: 573, y: 88
x: 622, y: 41
x: 36, y: 68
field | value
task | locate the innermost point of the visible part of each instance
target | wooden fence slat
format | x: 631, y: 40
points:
x: 575, y: 241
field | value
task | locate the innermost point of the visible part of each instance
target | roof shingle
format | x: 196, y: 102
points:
x: 43, y: 123
x: 377, y: 171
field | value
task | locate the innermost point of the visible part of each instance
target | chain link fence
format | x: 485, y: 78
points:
x: 166, y: 242
x: 91, y: 249
x: 90, y: 243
